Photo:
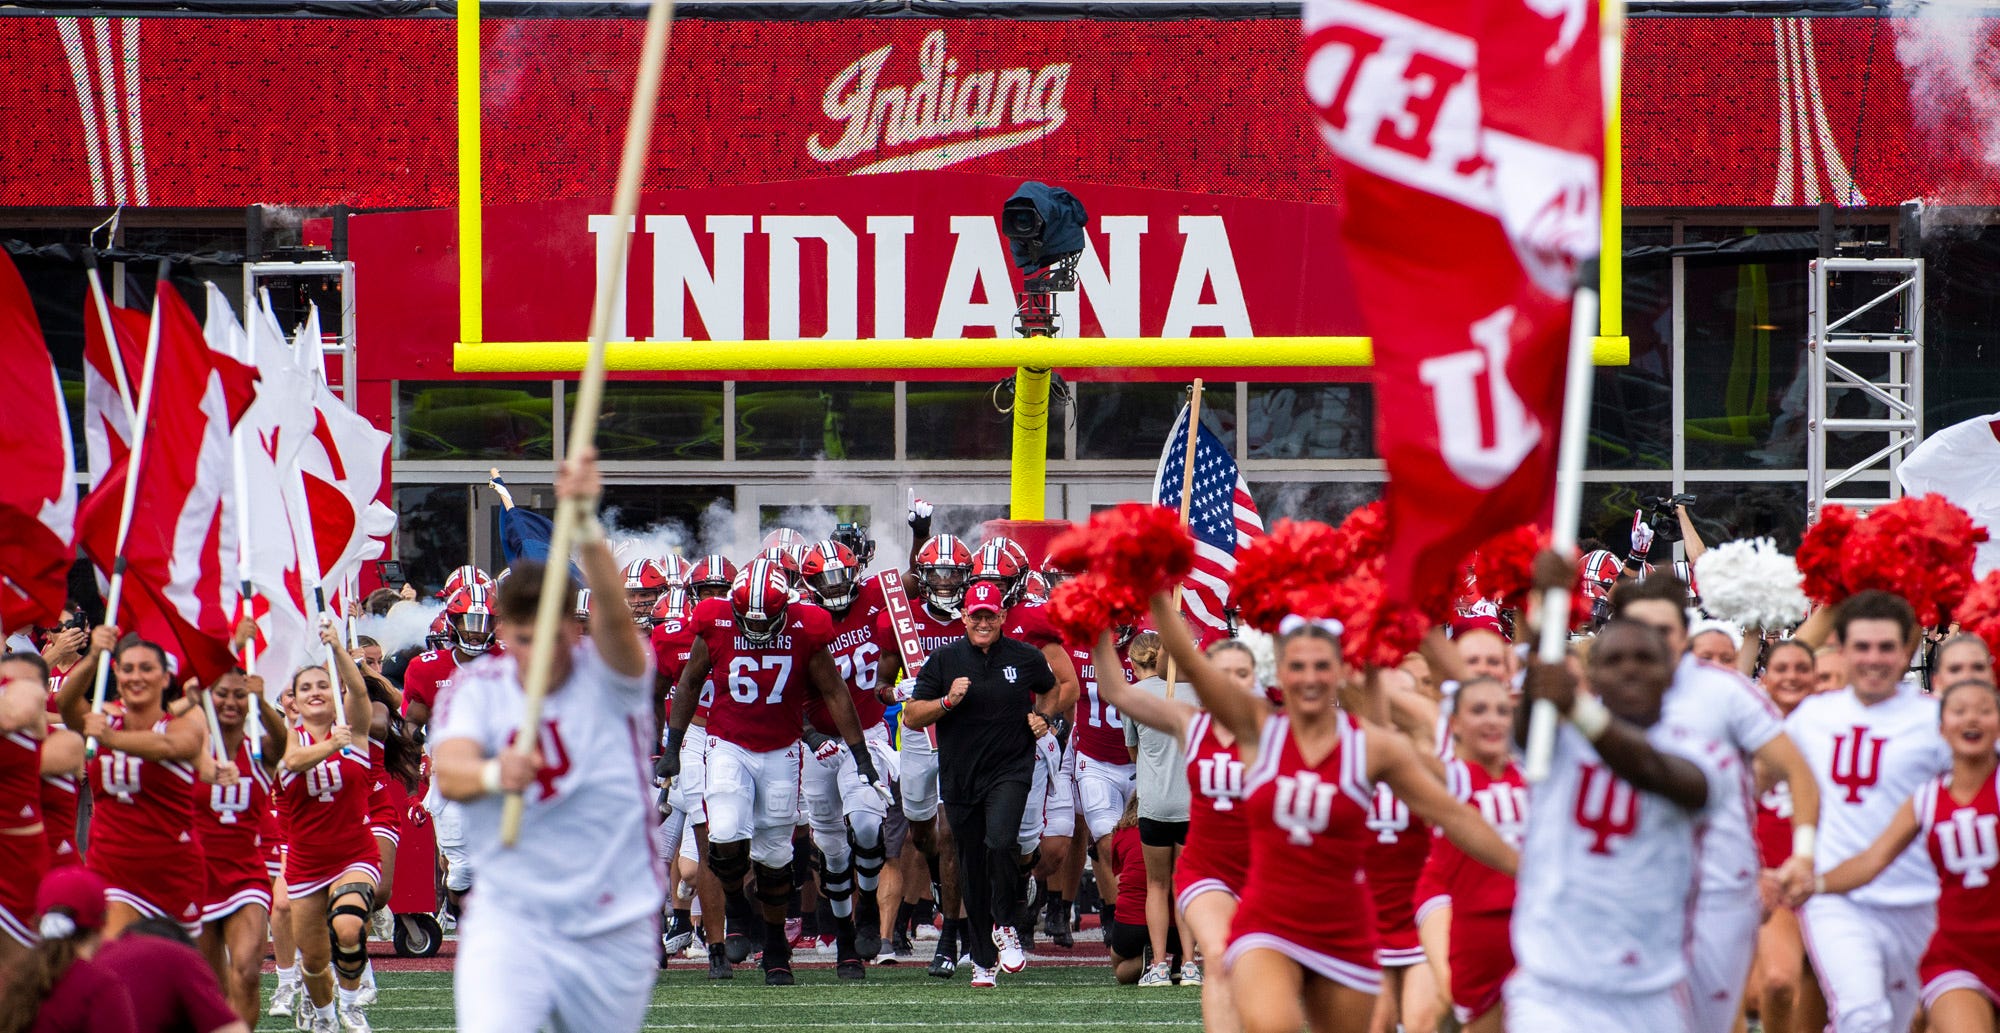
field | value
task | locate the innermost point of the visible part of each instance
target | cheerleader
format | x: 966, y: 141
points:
x: 1214, y: 863
x: 332, y: 868
x: 284, y: 948
x: 1787, y: 998
x: 236, y: 908
x: 24, y: 855
x: 394, y: 760
x: 1304, y: 947
x: 1961, y: 657
x: 143, y: 783
x: 1956, y: 815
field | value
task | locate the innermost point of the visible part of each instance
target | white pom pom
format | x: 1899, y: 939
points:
x: 1265, y: 653
x: 1751, y: 583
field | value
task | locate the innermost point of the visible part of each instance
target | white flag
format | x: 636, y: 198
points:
x: 1962, y: 463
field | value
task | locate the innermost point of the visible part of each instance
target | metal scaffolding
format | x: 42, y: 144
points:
x: 336, y: 339
x: 1865, y: 349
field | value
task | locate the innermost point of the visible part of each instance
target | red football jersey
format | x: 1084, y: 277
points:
x: 325, y: 812
x: 1100, y: 728
x: 230, y: 827
x: 673, y: 644
x: 761, y: 691
x: 1217, y: 847
x: 20, y: 780
x: 1308, y: 848
x: 1474, y: 888
x: 427, y: 676
x: 1964, y: 844
x: 858, y: 654
x: 1029, y: 622
x: 59, y: 798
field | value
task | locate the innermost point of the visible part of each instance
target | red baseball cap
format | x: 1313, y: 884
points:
x: 985, y: 596
x: 76, y: 889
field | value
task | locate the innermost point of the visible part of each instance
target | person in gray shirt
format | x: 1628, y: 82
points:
x: 1162, y: 789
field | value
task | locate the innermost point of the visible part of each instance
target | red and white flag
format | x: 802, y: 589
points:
x: 342, y: 464
x: 1471, y: 197
x: 107, y: 412
x: 38, y: 494
x: 1962, y: 463
x: 181, y: 581
x: 266, y: 444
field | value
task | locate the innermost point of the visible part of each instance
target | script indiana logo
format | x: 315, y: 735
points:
x: 970, y: 114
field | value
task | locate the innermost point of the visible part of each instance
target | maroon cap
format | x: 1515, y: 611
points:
x: 76, y: 889
x: 1466, y: 623
x: 985, y: 596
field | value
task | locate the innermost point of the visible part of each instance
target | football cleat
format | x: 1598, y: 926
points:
x: 1012, y: 958
x: 942, y: 966
x: 677, y: 938
x: 851, y: 969
x: 352, y: 1020
x: 718, y: 963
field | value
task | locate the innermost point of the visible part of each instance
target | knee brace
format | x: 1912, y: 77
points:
x: 774, y: 886
x: 350, y: 961
x: 730, y: 862
x: 869, y: 855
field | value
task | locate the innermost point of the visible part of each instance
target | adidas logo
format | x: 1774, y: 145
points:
x: 799, y: 625
x: 28, y: 810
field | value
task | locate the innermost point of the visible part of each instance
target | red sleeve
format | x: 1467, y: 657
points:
x: 818, y: 630
x: 420, y: 683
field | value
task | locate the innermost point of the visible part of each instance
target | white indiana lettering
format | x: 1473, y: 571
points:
x: 978, y: 291
x: 941, y: 105
x: 324, y: 780
x: 1969, y: 845
x: 1304, y: 806
x: 1461, y: 416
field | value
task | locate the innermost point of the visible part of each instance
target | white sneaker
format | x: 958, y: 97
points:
x: 1190, y: 973
x: 318, y: 1023
x: 352, y: 1020
x: 984, y: 978
x: 367, y: 994
x: 381, y: 925
x: 445, y: 921
x: 285, y: 998
x: 1157, y: 976
x: 1009, y: 942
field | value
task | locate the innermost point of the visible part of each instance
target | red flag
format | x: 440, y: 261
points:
x: 38, y: 494
x: 180, y: 576
x: 1470, y: 327
x: 107, y: 427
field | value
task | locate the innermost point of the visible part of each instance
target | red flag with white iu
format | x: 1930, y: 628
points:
x: 180, y: 575
x: 1471, y: 137
x: 38, y: 495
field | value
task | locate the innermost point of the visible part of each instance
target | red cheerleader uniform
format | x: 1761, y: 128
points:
x: 1482, y: 900
x: 1774, y: 826
x: 1964, y: 952
x: 386, y: 796
x: 59, y: 793
x: 24, y: 849
x: 1395, y: 861
x: 1217, y: 855
x: 142, y: 840
x: 230, y: 829
x: 326, y: 821
x: 1307, y: 893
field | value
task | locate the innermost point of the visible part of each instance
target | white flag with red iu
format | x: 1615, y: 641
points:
x: 268, y: 440
x: 342, y: 464
x: 1472, y: 190
x: 181, y: 582
x: 38, y: 494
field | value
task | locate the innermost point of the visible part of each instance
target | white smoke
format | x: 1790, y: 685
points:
x: 405, y: 625
x: 1946, y: 46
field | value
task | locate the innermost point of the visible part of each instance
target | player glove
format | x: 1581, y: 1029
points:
x: 1642, y: 542
x: 669, y: 765
x: 920, y: 519
x: 905, y: 690
x: 825, y: 748
x: 864, y: 764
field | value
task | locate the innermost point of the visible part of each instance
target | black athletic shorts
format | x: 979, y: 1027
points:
x: 1129, y: 939
x: 1162, y: 833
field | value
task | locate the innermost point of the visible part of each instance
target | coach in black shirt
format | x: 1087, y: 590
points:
x: 985, y: 692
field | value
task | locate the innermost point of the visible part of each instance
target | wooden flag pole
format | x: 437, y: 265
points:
x: 134, y: 464
x: 589, y: 397
x: 1187, y: 490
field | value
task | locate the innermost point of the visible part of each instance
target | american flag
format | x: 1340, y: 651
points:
x: 1221, y: 516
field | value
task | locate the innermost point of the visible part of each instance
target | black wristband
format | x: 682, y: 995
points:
x: 674, y: 738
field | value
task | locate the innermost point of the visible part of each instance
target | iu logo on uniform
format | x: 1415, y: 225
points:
x: 1221, y: 780
x: 1304, y: 806
x: 1969, y: 846
x: 1387, y: 816
x: 121, y: 775
x: 1505, y: 807
x: 324, y: 781
x: 1857, y: 761
x: 1605, y: 807
x: 229, y: 801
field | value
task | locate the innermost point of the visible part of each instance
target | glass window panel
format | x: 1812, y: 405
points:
x: 475, y: 419
x: 1312, y: 421
x: 958, y: 420
x: 1131, y: 421
x: 430, y: 533
x: 1746, y: 378
x: 1727, y: 510
x: 1961, y: 308
x: 659, y: 419
x: 968, y: 521
x: 1605, y: 519
x: 1326, y: 501
x: 815, y: 421
x: 1631, y: 418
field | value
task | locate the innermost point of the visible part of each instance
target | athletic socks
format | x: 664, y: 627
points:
x: 345, y: 996
x: 948, y: 940
x: 906, y: 919
x: 289, y: 976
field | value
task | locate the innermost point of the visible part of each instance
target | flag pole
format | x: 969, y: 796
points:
x: 1542, y: 719
x: 1187, y: 489
x: 134, y: 464
x: 589, y: 397
x: 246, y: 590
x: 103, y: 307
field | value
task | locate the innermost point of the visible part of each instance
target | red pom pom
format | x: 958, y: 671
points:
x: 1920, y: 548
x: 1297, y: 558
x: 1979, y: 612
x: 1366, y: 531
x: 1505, y: 565
x: 1142, y: 547
x: 1088, y: 605
x: 1820, y: 553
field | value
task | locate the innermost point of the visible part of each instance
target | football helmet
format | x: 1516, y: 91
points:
x: 711, y: 577
x: 943, y: 566
x: 676, y: 568
x: 469, y: 614
x: 759, y: 597
x: 673, y: 605
x: 999, y: 560
x: 1685, y: 571
x: 1034, y: 587
x: 1054, y: 576
x: 1600, y: 571
x: 463, y: 576
x: 832, y: 573
x: 786, y: 560
x: 644, y: 581
x: 583, y: 604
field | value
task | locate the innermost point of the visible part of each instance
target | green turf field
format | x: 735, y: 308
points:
x: 899, y: 998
